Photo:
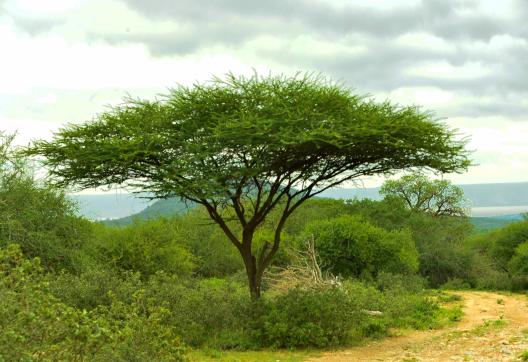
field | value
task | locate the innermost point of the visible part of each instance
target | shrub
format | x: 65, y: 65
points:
x: 145, y: 247
x: 212, y: 312
x: 140, y: 331
x: 456, y: 284
x: 35, y: 325
x: 305, y: 318
x: 403, y: 305
x: 350, y: 246
x: 333, y: 316
x: 507, y: 240
x: 519, y: 262
x: 41, y: 220
x: 93, y: 286
x: 405, y: 283
x: 216, y: 256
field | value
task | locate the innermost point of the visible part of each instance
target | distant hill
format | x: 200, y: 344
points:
x: 110, y: 206
x: 480, y: 195
x: 490, y: 223
x: 501, y: 194
x: 123, y: 208
x: 159, y: 208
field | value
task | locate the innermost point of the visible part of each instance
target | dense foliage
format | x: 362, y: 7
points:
x: 37, y: 326
x: 71, y: 289
x: 351, y: 247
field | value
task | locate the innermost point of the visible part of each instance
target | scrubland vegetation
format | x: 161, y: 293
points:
x: 252, y: 154
x: 165, y: 289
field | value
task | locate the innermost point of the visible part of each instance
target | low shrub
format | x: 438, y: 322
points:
x: 92, y: 287
x: 305, y: 318
x: 211, y: 312
x: 456, y: 284
x: 350, y: 246
x: 405, y: 283
x: 145, y: 247
x: 35, y: 325
x: 401, y: 306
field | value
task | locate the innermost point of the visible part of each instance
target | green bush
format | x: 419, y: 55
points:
x: 499, y: 258
x: 35, y: 325
x: 41, y: 220
x: 403, y: 304
x: 216, y: 256
x: 507, y: 240
x: 140, y: 331
x: 334, y: 316
x: 145, y: 247
x: 415, y: 284
x: 207, y: 312
x: 305, y: 318
x: 350, y: 246
x: 456, y: 284
x: 92, y: 287
x: 518, y: 264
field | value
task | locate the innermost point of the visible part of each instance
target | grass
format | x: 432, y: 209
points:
x: 451, y: 308
x: 450, y: 312
x: 488, y: 326
x: 524, y: 356
x: 478, y: 331
x: 205, y: 355
x: 453, y: 314
x: 448, y: 297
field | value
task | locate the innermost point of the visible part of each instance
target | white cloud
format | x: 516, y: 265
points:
x: 427, y: 97
x: 499, y: 146
x: 39, y: 8
x: 28, y: 130
x: 425, y: 41
x: 51, y: 62
x: 445, y: 70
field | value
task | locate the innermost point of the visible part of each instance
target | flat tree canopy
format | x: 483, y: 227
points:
x: 244, y: 146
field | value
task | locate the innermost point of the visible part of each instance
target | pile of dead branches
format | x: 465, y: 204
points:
x: 304, y: 271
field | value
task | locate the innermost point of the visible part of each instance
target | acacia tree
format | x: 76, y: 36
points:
x: 242, y: 147
x: 434, y: 197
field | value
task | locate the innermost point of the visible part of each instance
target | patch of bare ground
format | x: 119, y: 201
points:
x: 494, y: 328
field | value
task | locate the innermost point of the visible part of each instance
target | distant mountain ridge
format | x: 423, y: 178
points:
x: 480, y: 195
x: 129, y: 206
x: 110, y: 206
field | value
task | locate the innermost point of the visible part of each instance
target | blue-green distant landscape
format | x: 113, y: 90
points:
x: 493, y: 205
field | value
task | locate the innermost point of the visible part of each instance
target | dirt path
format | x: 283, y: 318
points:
x: 494, y: 328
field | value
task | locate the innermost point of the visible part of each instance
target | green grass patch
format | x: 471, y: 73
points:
x: 489, y: 325
x: 481, y: 330
x: 444, y: 297
x: 450, y: 315
x: 207, y: 355
x: 524, y: 356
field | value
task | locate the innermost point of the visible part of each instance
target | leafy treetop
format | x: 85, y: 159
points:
x: 435, y: 197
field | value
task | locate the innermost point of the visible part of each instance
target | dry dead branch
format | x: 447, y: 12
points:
x: 303, y: 272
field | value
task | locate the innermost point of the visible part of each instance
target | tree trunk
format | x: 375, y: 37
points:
x: 254, y: 277
x: 255, y: 269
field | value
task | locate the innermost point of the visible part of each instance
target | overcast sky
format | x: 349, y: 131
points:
x: 64, y: 61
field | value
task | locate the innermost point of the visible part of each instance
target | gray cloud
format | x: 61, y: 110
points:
x: 495, y: 43
x: 439, y: 17
x: 35, y: 26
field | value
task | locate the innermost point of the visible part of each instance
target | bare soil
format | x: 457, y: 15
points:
x: 494, y: 328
